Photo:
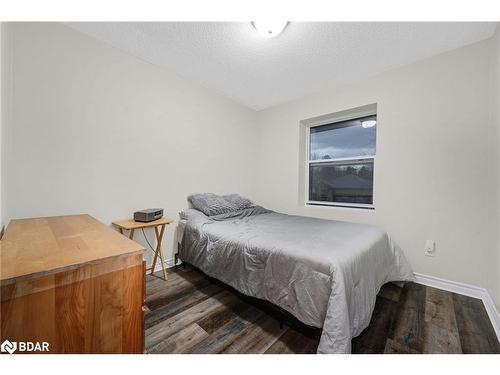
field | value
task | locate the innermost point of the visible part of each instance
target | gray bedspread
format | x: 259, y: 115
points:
x: 326, y: 273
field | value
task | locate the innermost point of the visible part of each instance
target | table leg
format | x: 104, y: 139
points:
x: 159, y: 250
x: 131, y: 235
x: 156, y: 252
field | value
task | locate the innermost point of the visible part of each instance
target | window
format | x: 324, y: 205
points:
x: 340, y: 162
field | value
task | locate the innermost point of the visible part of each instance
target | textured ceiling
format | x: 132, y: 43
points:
x: 232, y: 59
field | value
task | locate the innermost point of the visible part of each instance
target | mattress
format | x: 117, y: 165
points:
x: 180, y: 231
x: 326, y: 273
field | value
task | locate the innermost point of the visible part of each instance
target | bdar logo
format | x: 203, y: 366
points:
x: 24, y: 346
x: 8, y: 346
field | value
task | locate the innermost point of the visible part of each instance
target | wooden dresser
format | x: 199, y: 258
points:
x: 73, y: 282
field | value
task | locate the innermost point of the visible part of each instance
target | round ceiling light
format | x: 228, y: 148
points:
x: 269, y: 29
x: 368, y: 124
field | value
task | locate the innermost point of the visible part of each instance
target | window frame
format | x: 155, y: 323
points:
x: 370, y: 110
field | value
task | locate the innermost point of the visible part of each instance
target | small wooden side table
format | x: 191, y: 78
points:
x: 159, y: 227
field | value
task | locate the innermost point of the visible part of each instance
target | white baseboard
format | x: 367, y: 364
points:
x: 466, y: 290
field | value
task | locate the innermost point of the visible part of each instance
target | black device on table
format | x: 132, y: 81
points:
x: 149, y: 214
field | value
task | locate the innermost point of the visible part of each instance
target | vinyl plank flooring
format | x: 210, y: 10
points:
x: 188, y: 300
x: 226, y: 334
x: 192, y: 313
x: 391, y: 292
x: 393, y: 347
x: 175, y: 291
x: 294, y: 342
x: 176, y: 279
x: 373, y: 338
x: 439, y: 340
x: 440, y: 326
x: 407, y: 329
x: 474, y: 327
x: 181, y: 341
x: 218, y: 318
x: 170, y: 326
x: 256, y: 337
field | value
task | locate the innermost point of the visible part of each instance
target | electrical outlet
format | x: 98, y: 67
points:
x: 430, y: 248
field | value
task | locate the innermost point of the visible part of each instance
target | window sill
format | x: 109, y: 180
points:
x: 359, y: 206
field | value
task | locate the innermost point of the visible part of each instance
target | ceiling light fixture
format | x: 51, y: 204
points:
x: 368, y: 124
x: 269, y: 29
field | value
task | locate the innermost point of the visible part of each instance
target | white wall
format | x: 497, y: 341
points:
x: 436, y: 166
x: 5, y: 100
x: 95, y: 130
x: 496, y: 113
x: 1, y: 123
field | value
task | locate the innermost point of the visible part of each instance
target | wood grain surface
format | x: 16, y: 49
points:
x: 90, y: 302
x: 42, y: 246
x: 193, y: 313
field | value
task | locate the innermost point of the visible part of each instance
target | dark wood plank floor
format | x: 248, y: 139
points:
x: 192, y: 313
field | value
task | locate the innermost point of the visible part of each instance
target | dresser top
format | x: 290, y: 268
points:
x: 48, y: 245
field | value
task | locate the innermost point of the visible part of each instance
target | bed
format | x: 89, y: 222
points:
x: 326, y: 273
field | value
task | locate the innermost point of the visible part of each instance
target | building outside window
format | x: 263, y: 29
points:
x: 340, y: 163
